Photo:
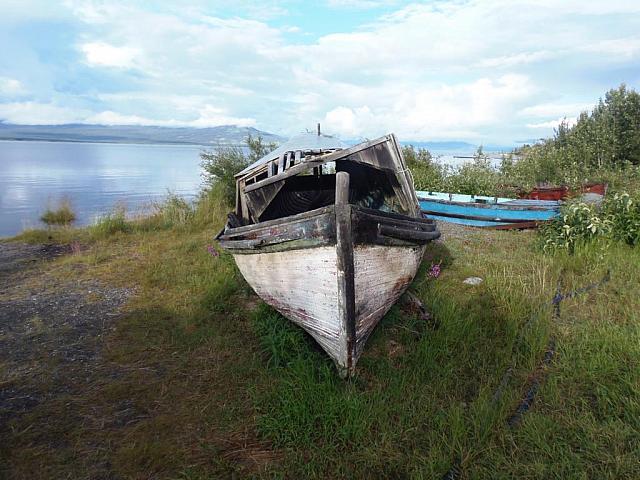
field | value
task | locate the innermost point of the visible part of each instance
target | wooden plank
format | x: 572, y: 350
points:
x: 279, y: 221
x: 258, y: 201
x: 406, y: 222
x: 382, y: 274
x: 346, y: 285
x: 315, y: 161
x: 302, y: 285
x: 400, y: 216
x: 320, y: 228
x: 293, y: 170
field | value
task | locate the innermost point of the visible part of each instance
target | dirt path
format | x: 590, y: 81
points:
x: 51, y: 334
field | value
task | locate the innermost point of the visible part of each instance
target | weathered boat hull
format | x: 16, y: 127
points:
x: 330, y: 237
x: 563, y: 192
x: 303, y: 285
x: 335, y: 271
x: 487, y: 212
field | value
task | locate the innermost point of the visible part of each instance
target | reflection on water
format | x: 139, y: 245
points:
x: 94, y: 176
x: 98, y: 176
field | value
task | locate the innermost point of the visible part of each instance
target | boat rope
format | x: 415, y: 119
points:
x: 574, y: 293
x: 540, y: 374
x: 455, y: 471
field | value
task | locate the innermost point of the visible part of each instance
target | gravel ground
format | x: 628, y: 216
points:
x: 453, y: 230
x: 50, y: 335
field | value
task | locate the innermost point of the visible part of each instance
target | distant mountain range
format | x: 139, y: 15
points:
x: 210, y: 136
x: 458, y: 146
x: 223, y: 135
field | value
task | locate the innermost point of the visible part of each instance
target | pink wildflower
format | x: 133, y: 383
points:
x: 434, y: 271
x: 212, y: 251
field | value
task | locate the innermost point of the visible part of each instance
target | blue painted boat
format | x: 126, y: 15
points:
x: 491, y: 212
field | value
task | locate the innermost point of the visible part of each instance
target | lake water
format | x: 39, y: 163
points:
x: 94, y: 176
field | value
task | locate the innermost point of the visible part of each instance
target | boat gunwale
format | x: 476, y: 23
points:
x: 317, y: 228
x: 245, y: 229
x: 278, y: 221
x: 490, y: 206
x: 481, y: 218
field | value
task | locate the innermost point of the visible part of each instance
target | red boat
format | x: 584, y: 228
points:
x: 562, y: 192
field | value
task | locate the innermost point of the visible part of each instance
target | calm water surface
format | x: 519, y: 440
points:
x: 94, y: 176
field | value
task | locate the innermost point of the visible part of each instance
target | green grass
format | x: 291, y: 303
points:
x: 229, y: 386
x: 411, y: 415
x: 61, y: 215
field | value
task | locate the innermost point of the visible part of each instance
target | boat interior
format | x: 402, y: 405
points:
x: 369, y: 187
x: 298, y: 189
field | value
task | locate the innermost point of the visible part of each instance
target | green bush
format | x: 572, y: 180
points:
x: 603, y: 145
x: 578, y: 224
x: 617, y: 219
x: 221, y: 164
x: 478, y: 177
x: 427, y: 174
x: 624, y: 214
x: 474, y: 178
x: 63, y: 214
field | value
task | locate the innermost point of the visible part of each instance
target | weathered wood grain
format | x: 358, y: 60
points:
x: 344, y: 250
x: 303, y: 286
x: 334, y: 270
x: 382, y: 274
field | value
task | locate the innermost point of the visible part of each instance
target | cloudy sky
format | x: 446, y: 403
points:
x: 492, y: 71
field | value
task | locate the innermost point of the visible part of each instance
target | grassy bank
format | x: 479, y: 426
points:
x: 219, y: 383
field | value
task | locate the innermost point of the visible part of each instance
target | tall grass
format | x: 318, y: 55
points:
x: 61, y: 215
x: 173, y: 213
x: 111, y: 223
x: 217, y: 387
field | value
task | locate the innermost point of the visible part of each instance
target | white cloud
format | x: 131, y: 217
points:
x: 553, y: 123
x: 444, y: 111
x: 34, y: 113
x: 208, y: 116
x: 105, y: 55
x: 211, y: 116
x: 516, y: 59
x: 427, y: 70
x: 11, y: 87
x: 360, y: 4
x: 109, y: 117
x: 616, y: 49
x: 551, y: 109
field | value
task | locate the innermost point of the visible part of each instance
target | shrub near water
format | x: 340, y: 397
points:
x: 63, y: 214
x: 111, y: 223
x: 222, y: 164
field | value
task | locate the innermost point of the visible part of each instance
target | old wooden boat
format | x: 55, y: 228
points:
x: 329, y: 235
x: 487, y: 212
x: 551, y: 192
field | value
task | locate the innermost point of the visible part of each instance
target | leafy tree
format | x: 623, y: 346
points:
x: 604, y: 144
x: 222, y: 164
x: 427, y: 174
